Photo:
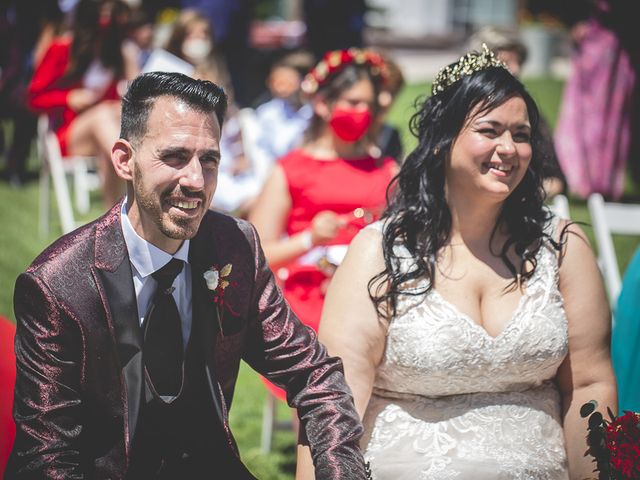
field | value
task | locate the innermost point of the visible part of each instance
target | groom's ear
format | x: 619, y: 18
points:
x: 122, y: 159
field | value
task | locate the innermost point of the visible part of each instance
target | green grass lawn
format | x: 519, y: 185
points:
x: 20, y: 242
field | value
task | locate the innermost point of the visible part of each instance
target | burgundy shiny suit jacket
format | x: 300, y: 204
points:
x: 79, y: 354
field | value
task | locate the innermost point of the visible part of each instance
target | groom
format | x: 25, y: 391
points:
x: 131, y: 329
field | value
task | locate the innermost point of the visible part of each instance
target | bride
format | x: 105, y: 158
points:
x: 472, y: 323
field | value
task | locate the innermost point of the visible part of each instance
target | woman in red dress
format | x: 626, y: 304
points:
x: 320, y: 195
x: 77, y: 81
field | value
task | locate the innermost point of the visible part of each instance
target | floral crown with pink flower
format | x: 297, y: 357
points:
x: 334, y: 61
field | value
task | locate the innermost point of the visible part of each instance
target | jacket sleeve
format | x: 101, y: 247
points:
x: 47, y: 399
x: 44, y: 92
x: 288, y: 353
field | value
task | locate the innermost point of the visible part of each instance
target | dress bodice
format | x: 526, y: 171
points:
x: 355, y: 189
x: 451, y: 401
x: 430, y: 338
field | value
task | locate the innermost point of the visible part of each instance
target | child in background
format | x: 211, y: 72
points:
x: 267, y: 133
x: 283, y: 119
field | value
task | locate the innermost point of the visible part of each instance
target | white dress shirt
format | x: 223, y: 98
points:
x: 145, y: 259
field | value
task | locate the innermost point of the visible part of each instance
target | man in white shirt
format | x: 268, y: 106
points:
x: 130, y: 330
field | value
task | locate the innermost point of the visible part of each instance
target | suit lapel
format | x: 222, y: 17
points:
x: 201, y: 258
x: 114, y: 272
x: 203, y: 255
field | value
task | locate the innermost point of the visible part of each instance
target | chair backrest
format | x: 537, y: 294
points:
x: 250, y: 133
x: 610, y: 218
x: 52, y: 163
x: 560, y: 207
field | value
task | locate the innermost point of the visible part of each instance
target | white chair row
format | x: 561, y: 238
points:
x: 610, y: 218
x: 54, y: 169
x: 607, y: 219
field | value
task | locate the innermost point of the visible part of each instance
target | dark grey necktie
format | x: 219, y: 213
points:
x: 163, y: 349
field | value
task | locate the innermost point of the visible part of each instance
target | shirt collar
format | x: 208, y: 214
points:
x: 146, y: 257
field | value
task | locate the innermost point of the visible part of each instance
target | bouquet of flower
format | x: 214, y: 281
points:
x: 614, y: 443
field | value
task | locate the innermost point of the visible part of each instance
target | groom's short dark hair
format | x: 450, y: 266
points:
x: 201, y: 95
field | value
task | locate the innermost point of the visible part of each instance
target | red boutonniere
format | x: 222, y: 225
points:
x: 217, y: 281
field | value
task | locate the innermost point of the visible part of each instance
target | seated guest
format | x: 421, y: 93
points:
x: 283, y: 119
x: 625, y: 340
x: 322, y: 193
x: 140, y: 36
x: 278, y: 127
x: 192, y: 40
x: 78, y: 84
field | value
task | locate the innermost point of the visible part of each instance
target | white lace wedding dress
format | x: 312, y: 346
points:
x: 451, y: 401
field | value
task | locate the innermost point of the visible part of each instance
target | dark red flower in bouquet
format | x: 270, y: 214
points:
x: 623, y: 442
x: 614, y: 444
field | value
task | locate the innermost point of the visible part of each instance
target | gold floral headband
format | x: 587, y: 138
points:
x: 336, y: 60
x: 470, y: 63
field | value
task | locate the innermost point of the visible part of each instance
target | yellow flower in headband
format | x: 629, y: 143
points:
x: 468, y: 64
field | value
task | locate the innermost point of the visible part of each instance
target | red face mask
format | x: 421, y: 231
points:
x: 350, y: 124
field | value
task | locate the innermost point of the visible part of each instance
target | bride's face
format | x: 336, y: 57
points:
x: 492, y: 152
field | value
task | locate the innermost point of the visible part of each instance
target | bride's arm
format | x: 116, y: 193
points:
x: 350, y: 327
x: 586, y: 373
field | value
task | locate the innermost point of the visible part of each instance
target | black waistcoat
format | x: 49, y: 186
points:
x: 184, y: 438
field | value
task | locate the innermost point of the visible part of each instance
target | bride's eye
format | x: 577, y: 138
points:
x: 489, y: 132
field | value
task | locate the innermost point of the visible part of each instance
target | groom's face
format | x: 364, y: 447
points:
x: 175, y: 169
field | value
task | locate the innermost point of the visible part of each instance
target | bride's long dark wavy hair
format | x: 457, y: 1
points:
x: 418, y: 216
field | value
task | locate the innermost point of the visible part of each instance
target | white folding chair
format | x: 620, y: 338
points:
x: 249, y: 128
x: 610, y: 218
x: 56, y: 167
x: 250, y: 133
x: 560, y: 206
x: 270, y: 423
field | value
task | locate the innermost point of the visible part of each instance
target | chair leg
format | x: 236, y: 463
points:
x: 268, y: 423
x: 45, y: 195
x: 63, y: 200
x: 81, y: 187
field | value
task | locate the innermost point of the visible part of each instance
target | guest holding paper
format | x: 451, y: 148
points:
x: 320, y: 195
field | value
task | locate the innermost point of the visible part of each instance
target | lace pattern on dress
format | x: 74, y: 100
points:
x: 451, y: 401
